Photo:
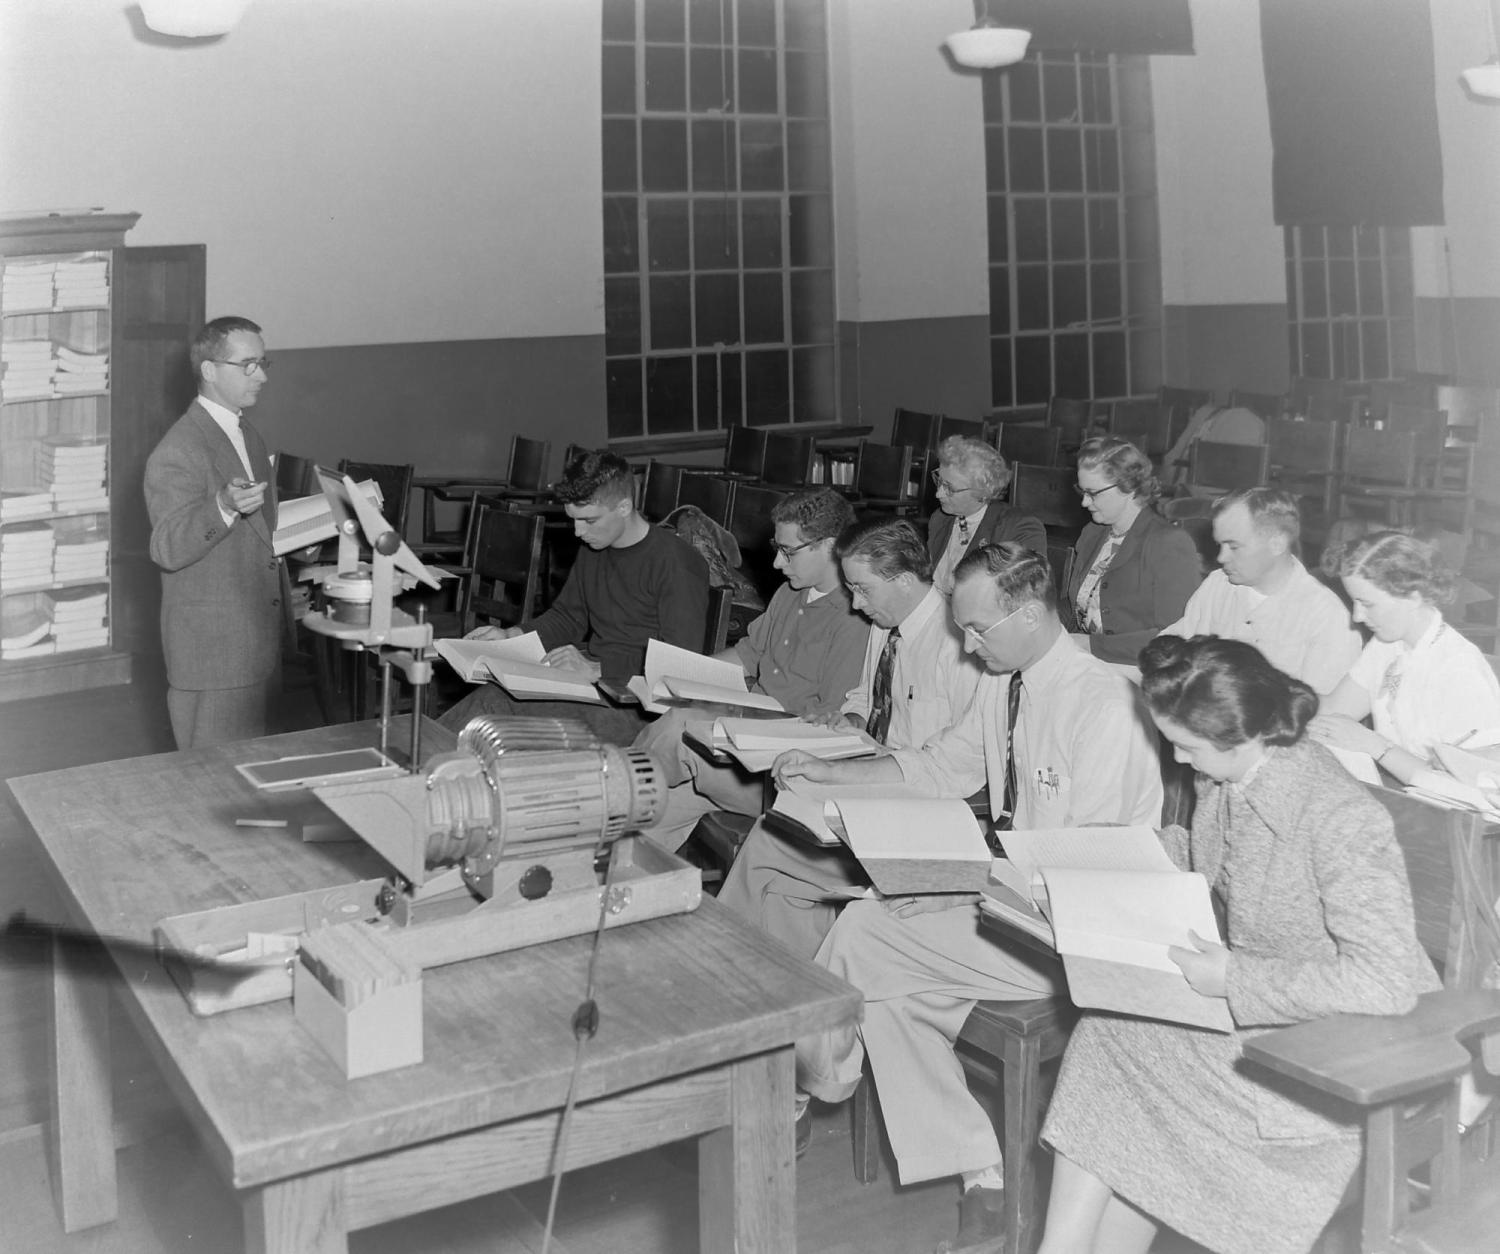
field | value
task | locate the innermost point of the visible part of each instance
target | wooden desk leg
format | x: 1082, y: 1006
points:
x: 304, y: 1215
x: 82, y: 1144
x: 747, y: 1180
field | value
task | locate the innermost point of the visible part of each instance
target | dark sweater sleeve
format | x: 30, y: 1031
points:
x: 566, y: 620
x: 1026, y: 530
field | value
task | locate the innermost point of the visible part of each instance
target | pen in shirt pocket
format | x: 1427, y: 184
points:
x: 911, y: 692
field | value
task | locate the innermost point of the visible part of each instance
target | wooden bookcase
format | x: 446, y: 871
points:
x: 93, y: 374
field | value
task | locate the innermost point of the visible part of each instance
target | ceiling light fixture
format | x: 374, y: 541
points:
x: 987, y: 45
x: 1483, y: 81
x: 193, y: 19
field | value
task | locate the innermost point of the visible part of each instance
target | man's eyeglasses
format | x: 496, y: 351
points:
x: 788, y: 553
x: 1093, y: 494
x: 942, y: 485
x: 976, y: 638
x: 248, y: 364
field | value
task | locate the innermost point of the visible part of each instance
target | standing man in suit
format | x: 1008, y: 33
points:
x: 971, y: 480
x: 211, y: 497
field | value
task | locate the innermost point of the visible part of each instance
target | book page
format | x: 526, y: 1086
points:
x: 306, y: 520
x: 926, y: 829
x: 810, y: 812
x: 781, y: 734
x: 1128, y: 916
x: 1087, y: 848
x: 467, y: 657
x: 1360, y: 765
x: 713, y: 694
x: 531, y: 681
x: 664, y: 659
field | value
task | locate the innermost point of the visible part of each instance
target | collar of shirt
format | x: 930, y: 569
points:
x: 973, y: 519
x: 221, y: 414
x: 1054, y: 667
x: 811, y: 596
x: 1427, y: 638
x: 933, y: 603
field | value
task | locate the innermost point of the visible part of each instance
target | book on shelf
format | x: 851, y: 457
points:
x: 307, y: 520
x: 906, y: 844
x: 469, y: 657
x: 1111, y: 903
x: 26, y: 504
x: 674, y: 673
x: 755, y: 742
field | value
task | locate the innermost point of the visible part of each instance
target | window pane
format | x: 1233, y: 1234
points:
x: 622, y: 316
x: 1314, y: 290
x: 618, y: 143
x: 810, y: 230
x: 1069, y: 296
x: 666, y: 80
x: 671, y: 312
x: 1033, y: 370
x: 618, y: 20
x: 714, y: 165
x: 757, y: 23
x: 812, y: 385
x: 706, y: 375
x: 1000, y: 375
x: 1026, y: 171
x: 1341, y: 287
x: 1104, y: 229
x: 664, y: 155
x: 1096, y: 104
x: 1065, y: 161
x: 621, y: 241
x: 1104, y: 285
x: 618, y: 80
x: 731, y: 388
x: 812, y: 307
x: 767, y: 388
x: 762, y: 232
x: 761, y: 157
x: 665, y: 21
x: 999, y: 300
x: 806, y: 85
x: 716, y: 230
x: 758, y: 87
x: 1316, y: 361
x: 711, y: 74
x: 808, y: 161
x: 1102, y: 159
x: 1033, y: 310
x: 1072, y: 366
x: 994, y: 158
x: 1067, y: 230
x: 667, y: 234
x: 805, y: 24
x: 1060, y: 89
x: 1110, y: 376
x: 1023, y: 84
x: 1371, y: 295
x: 764, y: 323
x: 998, y: 223
x: 669, y: 394
x: 1377, y: 358
x: 1031, y: 229
x: 718, y: 309
x: 622, y: 397
x: 705, y: 21
x: 1340, y: 241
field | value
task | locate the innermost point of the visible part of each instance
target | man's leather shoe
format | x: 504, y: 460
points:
x: 981, y: 1223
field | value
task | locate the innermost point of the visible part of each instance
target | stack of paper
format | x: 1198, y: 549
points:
x: 674, y: 673
x: 756, y: 743
x: 24, y: 626
x: 82, y: 283
x: 27, y: 285
x: 20, y: 506
x: 26, y: 556
x: 29, y: 368
x: 80, y: 372
x: 74, y: 468
x: 80, y: 555
x: 79, y: 619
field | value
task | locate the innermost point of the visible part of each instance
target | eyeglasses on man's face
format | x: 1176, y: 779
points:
x: 943, y: 486
x: 248, y: 364
x: 976, y: 638
x: 790, y: 551
x: 1093, y: 494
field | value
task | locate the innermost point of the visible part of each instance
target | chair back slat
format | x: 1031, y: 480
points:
x: 1049, y: 494
x: 394, y: 481
x: 713, y: 494
x: 883, y: 471
x: 1035, y: 443
x: 750, y: 521
x: 505, y: 564
x: 1321, y: 400
x: 745, y: 451
x: 1302, y: 447
x: 659, y: 489
x: 971, y: 428
x: 295, y: 476
x: 911, y: 428
x: 789, y: 459
x: 1072, y: 417
x: 1227, y: 467
x: 1146, y: 423
x: 529, y: 462
x: 1383, y: 457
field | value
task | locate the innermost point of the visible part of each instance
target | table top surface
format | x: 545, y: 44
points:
x: 134, y: 841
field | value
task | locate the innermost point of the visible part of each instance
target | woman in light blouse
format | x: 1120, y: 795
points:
x: 1133, y: 570
x: 1418, y: 681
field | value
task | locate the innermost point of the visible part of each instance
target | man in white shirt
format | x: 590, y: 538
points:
x: 915, y: 683
x: 211, y: 497
x: 1263, y: 595
x: 1080, y: 750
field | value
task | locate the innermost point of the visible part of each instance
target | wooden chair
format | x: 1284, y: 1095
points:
x: 1144, y: 423
x: 526, y: 476
x: 1303, y: 459
x: 1379, y: 1065
x: 1074, y: 418
x: 882, y: 478
x: 506, y: 580
x: 1318, y: 400
x: 1050, y: 495
x: 751, y: 526
x: 745, y: 452
x: 969, y: 427
x: 1227, y: 467
x: 1181, y: 404
x: 394, y: 482
x: 711, y: 493
x: 910, y: 428
x: 1379, y: 468
x: 789, y: 460
x: 1036, y: 444
x: 1264, y: 404
x: 659, y: 489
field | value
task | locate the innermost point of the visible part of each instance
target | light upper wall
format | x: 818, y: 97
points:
x: 362, y: 171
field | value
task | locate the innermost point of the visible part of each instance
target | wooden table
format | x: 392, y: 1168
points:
x: 698, y: 1015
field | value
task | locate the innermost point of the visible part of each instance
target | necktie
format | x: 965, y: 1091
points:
x: 963, y: 532
x: 880, y: 690
x: 1012, y: 711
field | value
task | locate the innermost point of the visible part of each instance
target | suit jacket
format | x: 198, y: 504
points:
x: 221, y: 590
x: 1155, y: 570
x: 1000, y: 524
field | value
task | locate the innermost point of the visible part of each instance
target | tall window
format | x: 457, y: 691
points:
x: 1349, y: 301
x: 718, y: 258
x: 1075, y: 290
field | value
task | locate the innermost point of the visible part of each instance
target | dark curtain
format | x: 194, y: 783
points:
x: 1353, y: 112
x: 1123, y: 26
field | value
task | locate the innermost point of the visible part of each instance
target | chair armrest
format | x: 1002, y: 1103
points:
x: 1374, y: 1059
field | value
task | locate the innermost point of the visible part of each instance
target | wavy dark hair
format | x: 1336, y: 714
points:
x: 596, y: 475
x: 1397, y: 563
x: 1121, y: 463
x: 818, y: 513
x: 1020, y: 574
x: 892, y: 547
x: 1224, y: 691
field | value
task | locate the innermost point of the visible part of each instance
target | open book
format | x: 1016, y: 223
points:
x: 306, y: 520
x: 673, y: 672
x: 1111, y: 903
x: 469, y: 657
x: 905, y: 844
x: 756, y: 742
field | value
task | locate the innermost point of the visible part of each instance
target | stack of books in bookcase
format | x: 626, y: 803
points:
x: 81, y: 282
x: 25, y: 626
x: 26, y: 557
x: 28, y: 286
x: 73, y: 467
x: 80, y: 618
x: 30, y: 367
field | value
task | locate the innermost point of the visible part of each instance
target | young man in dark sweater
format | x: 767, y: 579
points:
x: 631, y: 582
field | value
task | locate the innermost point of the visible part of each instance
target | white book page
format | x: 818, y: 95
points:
x: 1128, y: 917
x: 664, y: 659
x: 532, y: 680
x: 781, y: 734
x: 811, y: 812
x: 1360, y: 765
x: 468, y: 657
x: 1085, y: 848
x: 928, y: 829
x: 690, y: 690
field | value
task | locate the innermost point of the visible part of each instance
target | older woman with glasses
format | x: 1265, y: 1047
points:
x: 1133, y: 570
x: 971, y: 479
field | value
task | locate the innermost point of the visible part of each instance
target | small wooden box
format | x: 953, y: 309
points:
x: 382, y: 1033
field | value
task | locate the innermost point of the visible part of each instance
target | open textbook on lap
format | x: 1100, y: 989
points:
x: 671, y: 672
x: 469, y: 657
x: 757, y: 742
x: 1111, y: 903
x: 906, y: 844
x: 516, y: 665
